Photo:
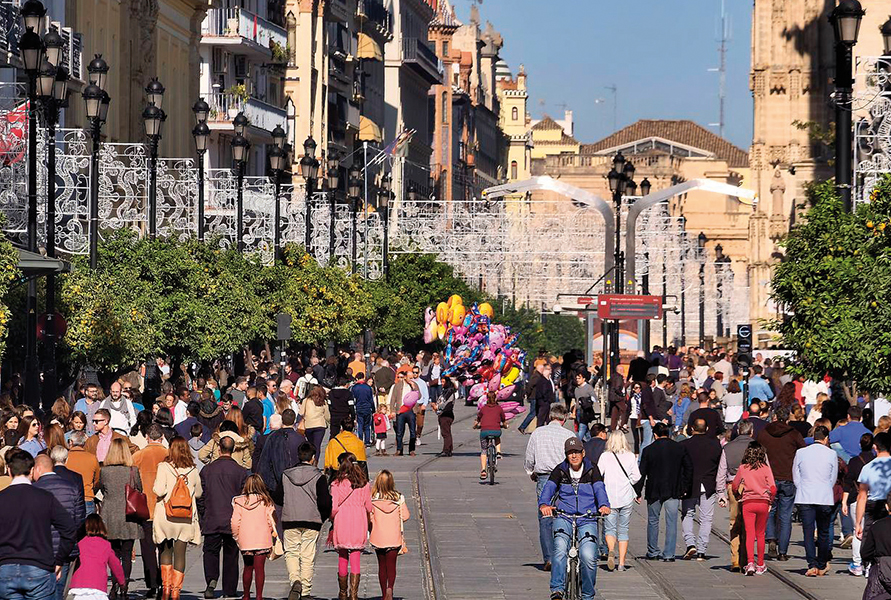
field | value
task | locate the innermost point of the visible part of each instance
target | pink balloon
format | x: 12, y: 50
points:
x: 411, y: 399
x: 477, y: 390
x: 509, y: 406
x: 506, y: 392
x: 495, y: 382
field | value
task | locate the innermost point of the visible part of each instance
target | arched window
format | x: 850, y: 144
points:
x: 514, y: 113
x: 445, y: 107
x: 513, y: 168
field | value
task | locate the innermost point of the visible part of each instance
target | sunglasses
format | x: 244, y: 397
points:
x: 97, y: 421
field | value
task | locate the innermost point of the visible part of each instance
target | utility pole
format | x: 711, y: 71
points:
x: 723, y: 39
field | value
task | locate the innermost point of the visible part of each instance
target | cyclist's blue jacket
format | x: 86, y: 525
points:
x: 588, y: 495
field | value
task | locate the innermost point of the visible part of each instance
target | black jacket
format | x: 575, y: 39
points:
x: 221, y: 480
x: 72, y: 476
x: 855, y: 465
x: 667, y: 470
x: 28, y: 516
x: 637, y: 369
x: 544, y: 392
x: 341, y: 403
x: 253, y: 414
x: 877, y: 541
x: 594, y: 448
x: 71, y: 496
x: 705, y: 453
x: 279, y: 454
x: 531, y: 384
x: 647, y: 403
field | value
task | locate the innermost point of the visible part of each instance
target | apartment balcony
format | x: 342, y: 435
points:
x: 338, y: 11
x: 417, y: 56
x: 243, y: 31
x: 11, y: 30
x: 263, y: 117
x: 374, y: 13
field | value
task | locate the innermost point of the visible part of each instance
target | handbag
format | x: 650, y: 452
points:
x: 137, y: 503
x: 277, y: 549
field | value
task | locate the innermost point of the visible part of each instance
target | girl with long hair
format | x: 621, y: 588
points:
x: 61, y: 410
x: 445, y: 410
x: 350, y: 510
x: 619, y: 468
x: 76, y: 422
x: 9, y: 425
x: 316, y: 417
x: 253, y: 527
x: 172, y: 535
x: 389, y: 512
x: 755, y: 486
x: 634, y: 398
x: 31, y: 435
x: 54, y: 436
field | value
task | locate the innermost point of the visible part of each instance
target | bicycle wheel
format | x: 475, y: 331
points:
x: 490, y: 461
x: 573, y: 592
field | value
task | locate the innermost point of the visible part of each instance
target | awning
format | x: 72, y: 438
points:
x: 368, y: 48
x: 31, y: 263
x: 368, y: 130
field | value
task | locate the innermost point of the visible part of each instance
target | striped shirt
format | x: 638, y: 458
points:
x: 545, y: 448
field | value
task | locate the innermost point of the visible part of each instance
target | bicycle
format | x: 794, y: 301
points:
x: 573, y: 587
x: 491, y: 458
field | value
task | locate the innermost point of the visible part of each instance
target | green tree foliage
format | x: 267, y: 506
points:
x: 833, y: 287
x: 9, y: 274
x: 557, y: 335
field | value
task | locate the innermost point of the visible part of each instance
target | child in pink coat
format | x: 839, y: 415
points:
x: 350, y: 510
x: 253, y: 527
x: 387, y: 537
x: 755, y: 485
x: 90, y: 580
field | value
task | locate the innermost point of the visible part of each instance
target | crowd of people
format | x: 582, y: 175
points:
x: 706, y: 433
x: 247, y: 467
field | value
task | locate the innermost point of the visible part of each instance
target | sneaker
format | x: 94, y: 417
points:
x: 547, y: 566
x: 690, y: 553
x: 700, y: 556
x: 296, y: 591
x: 783, y: 557
x: 208, y: 591
x: 760, y: 569
x: 772, y: 550
x: 847, y: 542
x: 621, y: 568
x: 668, y: 559
x: 558, y: 595
x: 750, y: 569
x: 855, y: 570
x: 611, y: 562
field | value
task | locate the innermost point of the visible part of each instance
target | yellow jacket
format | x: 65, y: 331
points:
x: 345, y: 441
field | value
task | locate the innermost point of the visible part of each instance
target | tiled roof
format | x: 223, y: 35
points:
x: 682, y: 131
x: 445, y: 16
x: 547, y: 124
x: 565, y: 140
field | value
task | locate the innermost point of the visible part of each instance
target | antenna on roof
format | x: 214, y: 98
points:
x: 724, y: 37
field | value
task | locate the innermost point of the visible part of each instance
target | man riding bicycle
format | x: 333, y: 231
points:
x: 574, y: 488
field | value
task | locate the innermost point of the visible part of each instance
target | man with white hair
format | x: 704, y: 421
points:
x: 59, y: 456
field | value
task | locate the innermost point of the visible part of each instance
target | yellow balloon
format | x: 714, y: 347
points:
x: 440, y: 331
x: 442, y: 312
x: 486, y: 309
x: 455, y: 299
x: 510, y: 377
x: 456, y: 315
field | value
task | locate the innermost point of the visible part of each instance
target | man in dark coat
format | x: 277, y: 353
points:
x: 638, y: 368
x: 221, y: 480
x: 544, y: 395
x: 71, y: 497
x: 667, y: 471
x: 279, y: 452
x: 705, y: 453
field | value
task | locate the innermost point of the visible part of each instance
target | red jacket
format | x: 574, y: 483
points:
x: 757, y: 484
x: 96, y: 556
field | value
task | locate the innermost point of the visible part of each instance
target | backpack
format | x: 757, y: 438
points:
x: 179, y: 504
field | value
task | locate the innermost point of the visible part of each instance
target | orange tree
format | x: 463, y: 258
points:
x: 833, y: 289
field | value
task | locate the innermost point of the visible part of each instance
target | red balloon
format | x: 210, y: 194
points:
x: 507, y: 366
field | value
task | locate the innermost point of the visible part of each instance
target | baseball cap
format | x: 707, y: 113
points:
x: 573, y: 444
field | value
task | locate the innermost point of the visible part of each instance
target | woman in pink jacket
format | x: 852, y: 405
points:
x: 350, y: 510
x: 755, y: 484
x: 96, y: 557
x: 389, y: 512
x: 253, y: 527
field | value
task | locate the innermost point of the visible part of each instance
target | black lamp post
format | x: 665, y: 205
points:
x: 94, y: 96
x: 309, y: 168
x: 277, y: 161
x: 201, y: 133
x: 845, y: 19
x: 32, y: 54
x: 719, y: 286
x: 354, y: 186
x: 701, y: 256
x: 384, y: 207
x: 153, y: 117
x: 240, y: 147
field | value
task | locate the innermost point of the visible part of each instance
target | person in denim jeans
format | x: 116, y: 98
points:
x: 667, y: 471
x: 618, y: 466
x: 781, y: 442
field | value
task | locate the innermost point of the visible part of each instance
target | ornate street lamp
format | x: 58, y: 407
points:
x: 701, y: 239
x: 154, y: 92
x: 201, y: 109
x: 278, y: 137
x: 240, y: 147
x: 354, y: 185
x: 153, y: 117
x: 383, y: 204
x: 53, y: 43
x: 98, y: 72
x: 240, y: 123
x: 33, y: 12
x: 885, y: 30
x: 277, y: 160
x: 201, y: 133
x: 845, y: 19
x: 309, y: 168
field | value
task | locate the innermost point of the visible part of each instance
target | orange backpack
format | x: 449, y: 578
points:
x: 179, y: 504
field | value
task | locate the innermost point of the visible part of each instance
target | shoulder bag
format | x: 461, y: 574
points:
x: 137, y: 503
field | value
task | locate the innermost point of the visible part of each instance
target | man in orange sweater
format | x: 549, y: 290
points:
x: 86, y: 465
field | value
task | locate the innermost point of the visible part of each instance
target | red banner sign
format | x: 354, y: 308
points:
x: 627, y: 307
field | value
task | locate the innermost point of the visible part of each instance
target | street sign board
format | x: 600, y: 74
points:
x: 629, y: 307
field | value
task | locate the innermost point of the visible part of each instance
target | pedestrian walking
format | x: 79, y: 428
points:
x: 876, y: 552
x: 666, y: 470
x: 97, y: 558
x: 351, y: 507
x: 346, y: 441
x: 306, y: 504
x: 404, y: 415
x: 389, y: 512
x: 147, y: 461
x: 221, y: 480
x: 243, y: 449
x: 117, y: 473
x: 444, y: 406
x: 618, y: 403
x: 544, y: 451
x: 29, y: 562
x: 545, y: 394
x: 280, y: 451
x: 814, y: 472
x: 731, y: 459
x: 316, y: 417
x: 71, y: 496
x: 175, y: 519
x: 529, y: 392
x: 586, y: 409
x: 619, y: 469
x: 365, y: 404
x: 341, y: 404
x: 874, y: 486
x: 754, y: 487
x: 99, y: 443
x: 381, y: 425
x: 253, y: 527
x: 30, y: 435
x: 705, y: 453
x: 849, y: 498
x: 781, y: 442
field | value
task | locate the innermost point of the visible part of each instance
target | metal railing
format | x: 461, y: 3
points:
x: 375, y: 12
x: 237, y: 22
x: 416, y: 51
x: 224, y: 107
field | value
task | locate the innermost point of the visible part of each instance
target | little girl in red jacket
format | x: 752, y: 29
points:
x: 755, y: 484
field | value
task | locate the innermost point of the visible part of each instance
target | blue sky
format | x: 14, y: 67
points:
x: 658, y: 54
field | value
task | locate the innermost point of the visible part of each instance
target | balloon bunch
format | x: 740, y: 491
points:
x: 481, y: 355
